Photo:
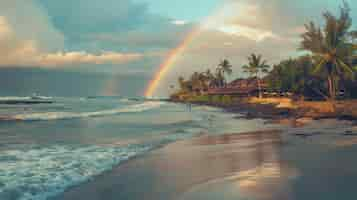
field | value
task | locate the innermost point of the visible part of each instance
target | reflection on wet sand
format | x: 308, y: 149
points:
x: 250, y: 162
x: 267, y: 165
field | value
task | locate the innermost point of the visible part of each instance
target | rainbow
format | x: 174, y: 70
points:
x: 175, y: 53
x: 169, y: 62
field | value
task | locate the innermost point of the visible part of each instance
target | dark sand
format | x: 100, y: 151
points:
x: 268, y: 165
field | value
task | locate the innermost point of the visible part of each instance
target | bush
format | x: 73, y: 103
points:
x: 216, y: 99
x: 227, y: 100
x: 199, y: 99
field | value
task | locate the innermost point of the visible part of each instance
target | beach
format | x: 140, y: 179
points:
x: 48, y: 149
x: 178, y: 100
x: 311, y: 162
x: 120, y: 149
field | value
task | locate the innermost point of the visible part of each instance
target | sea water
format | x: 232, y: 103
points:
x: 48, y: 148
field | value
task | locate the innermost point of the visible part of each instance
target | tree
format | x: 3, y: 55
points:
x: 256, y: 67
x: 223, y: 68
x: 294, y: 75
x: 185, y: 85
x: 209, y: 78
x: 331, y: 48
x: 209, y: 75
x: 219, y: 79
x: 198, y: 82
x: 204, y: 80
x: 182, y: 84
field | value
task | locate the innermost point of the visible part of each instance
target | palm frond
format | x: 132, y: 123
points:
x: 345, y: 67
x: 318, y: 68
x: 312, y: 39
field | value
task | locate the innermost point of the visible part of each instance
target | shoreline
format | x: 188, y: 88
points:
x: 207, y: 166
x: 120, y: 175
x: 285, y: 110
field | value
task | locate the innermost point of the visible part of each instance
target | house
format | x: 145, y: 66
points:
x: 239, y: 87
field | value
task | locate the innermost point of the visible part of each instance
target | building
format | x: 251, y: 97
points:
x: 239, y: 87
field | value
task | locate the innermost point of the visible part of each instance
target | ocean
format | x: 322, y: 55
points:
x: 47, y: 148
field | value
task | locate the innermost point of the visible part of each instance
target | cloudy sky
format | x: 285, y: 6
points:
x: 114, y: 47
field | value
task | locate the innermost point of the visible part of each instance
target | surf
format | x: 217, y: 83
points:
x: 47, y: 116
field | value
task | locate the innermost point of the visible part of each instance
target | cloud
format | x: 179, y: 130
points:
x: 115, y: 25
x: 179, y: 22
x: 251, y: 33
x: 211, y: 46
x: 71, y: 58
x: 16, y: 51
x: 281, y: 17
x: 78, y: 17
x: 253, y: 19
x: 123, y: 37
x: 95, y: 25
x: 31, y: 23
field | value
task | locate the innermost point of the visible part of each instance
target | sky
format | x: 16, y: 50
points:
x: 115, y: 47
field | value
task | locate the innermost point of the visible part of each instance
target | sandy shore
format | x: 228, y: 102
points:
x: 304, y: 163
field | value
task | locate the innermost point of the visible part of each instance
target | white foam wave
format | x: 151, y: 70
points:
x: 41, y: 173
x: 14, y: 98
x: 70, y: 115
x: 24, y: 98
x: 124, y: 100
x: 42, y: 97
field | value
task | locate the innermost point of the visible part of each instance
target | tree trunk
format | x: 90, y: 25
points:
x: 259, y: 88
x: 331, y: 87
x: 332, y: 91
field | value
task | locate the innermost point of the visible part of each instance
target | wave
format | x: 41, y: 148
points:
x: 42, y: 173
x: 124, y: 100
x: 71, y: 115
x: 24, y: 98
x: 14, y: 98
x: 41, y: 97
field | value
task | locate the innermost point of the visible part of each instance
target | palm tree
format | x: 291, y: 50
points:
x: 219, y: 77
x: 331, y: 47
x: 209, y: 78
x: 213, y: 79
x: 255, y: 68
x: 224, y: 67
x: 204, y: 81
x: 181, y: 81
x: 209, y: 75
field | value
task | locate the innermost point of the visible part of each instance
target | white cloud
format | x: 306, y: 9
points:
x: 251, y: 33
x: 240, y: 19
x: 15, y: 51
x: 179, y: 22
x: 228, y: 43
x: 69, y: 58
x: 30, y: 22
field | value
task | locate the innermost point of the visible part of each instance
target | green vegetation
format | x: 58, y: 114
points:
x: 199, y: 82
x: 326, y: 71
x: 255, y: 68
x: 227, y: 100
x: 332, y: 48
x: 223, y: 68
x: 295, y: 76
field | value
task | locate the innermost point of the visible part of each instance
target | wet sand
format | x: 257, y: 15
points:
x: 267, y: 165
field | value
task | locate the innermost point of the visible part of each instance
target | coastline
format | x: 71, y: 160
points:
x: 284, y: 110
x: 267, y: 164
